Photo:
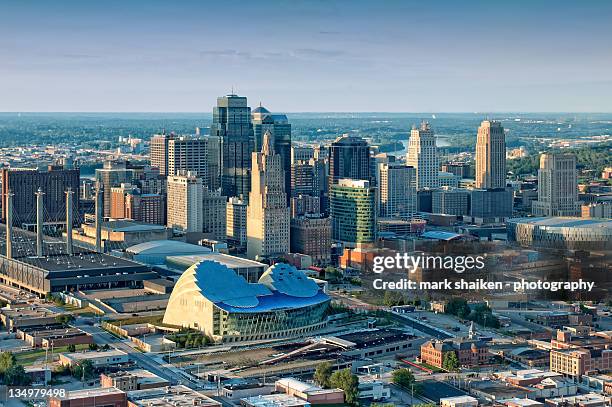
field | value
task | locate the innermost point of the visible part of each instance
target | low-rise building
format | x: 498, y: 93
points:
x: 169, y: 396
x: 98, y: 397
x: 311, y: 393
x: 137, y: 379
x: 459, y: 401
x: 112, y: 357
x: 274, y: 400
x: 469, y: 352
x: 583, y: 400
x: 580, y: 361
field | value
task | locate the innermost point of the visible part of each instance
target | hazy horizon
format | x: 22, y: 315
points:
x: 307, y: 56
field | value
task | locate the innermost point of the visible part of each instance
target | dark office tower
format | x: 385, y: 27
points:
x: 53, y: 182
x: 159, y: 152
x: 232, y: 123
x: 279, y: 126
x: 349, y: 158
x: 113, y: 174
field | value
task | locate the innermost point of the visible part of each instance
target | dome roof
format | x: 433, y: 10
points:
x: 260, y: 109
x: 288, y: 280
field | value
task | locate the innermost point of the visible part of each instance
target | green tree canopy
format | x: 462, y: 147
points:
x: 323, y: 374
x: 345, y: 380
x: 450, y: 362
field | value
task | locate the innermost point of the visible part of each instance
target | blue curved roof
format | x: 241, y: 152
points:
x: 281, y: 287
x: 278, y: 301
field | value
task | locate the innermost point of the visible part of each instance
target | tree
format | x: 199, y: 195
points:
x: 322, y: 374
x: 7, y: 360
x: 93, y: 346
x: 16, y: 376
x: 345, y: 380
x: 403, y: 377
x: 71, y: 347
x: 83, y: 370
x: 450, y: 363
x: 64, y: 319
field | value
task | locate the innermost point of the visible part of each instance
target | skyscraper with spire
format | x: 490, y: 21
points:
x: 423, y: 156
x: 268, y: 219
x: 232, y: 124
x: 490, y: 156
x: 278, y: 124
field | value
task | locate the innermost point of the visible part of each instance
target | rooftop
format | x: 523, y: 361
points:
x: 177, y: 396
x: 93, y: 392
x: 565, y: 222
x: 282, y: 286
x: 169, y: 247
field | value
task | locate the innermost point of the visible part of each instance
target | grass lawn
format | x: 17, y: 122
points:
x: 31, y: 356
x: 84, y: 312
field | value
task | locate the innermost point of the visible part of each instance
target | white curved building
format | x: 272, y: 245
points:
x: 566, y: 233
x: 215, y: 300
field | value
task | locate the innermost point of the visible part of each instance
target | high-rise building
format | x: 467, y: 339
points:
x: 448, y: 179
x: 349, y: 158
x: 422, y: 155
x: 147, y: 208
x: 397, y: 191
x: 450, y: 201
x: 54, y: 181
x: 305, y: 204
x: 491, y: 205
x: 158, y: 147
x: 279, y: 126
x: 353, y: 211
x: 236, y: 222
x: 188, y: 154
x: 118, y: 199
x: 557, y: 186
x: 460, y: 169
x: 113, y: 174
x: 490, y: 156
x: 311, y: 235
x: 213, y: 154
x: 267, y: 214
x: 232, y: 124
x: 301, y: 153
x: 185, y: 203
x: 214, y: 207
x: 302, y: 178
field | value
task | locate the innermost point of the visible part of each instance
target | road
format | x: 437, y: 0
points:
x: 150, y: 362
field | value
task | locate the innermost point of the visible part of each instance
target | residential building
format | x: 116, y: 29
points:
x: 185, y: 203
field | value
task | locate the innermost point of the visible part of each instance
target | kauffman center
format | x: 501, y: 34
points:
x: 214, y: 299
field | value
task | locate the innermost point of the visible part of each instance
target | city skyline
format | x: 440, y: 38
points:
x: 307, y: 56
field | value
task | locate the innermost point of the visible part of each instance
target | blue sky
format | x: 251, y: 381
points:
x: 297, y: 56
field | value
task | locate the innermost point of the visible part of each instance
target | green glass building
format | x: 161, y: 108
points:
x: 353, y: 212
